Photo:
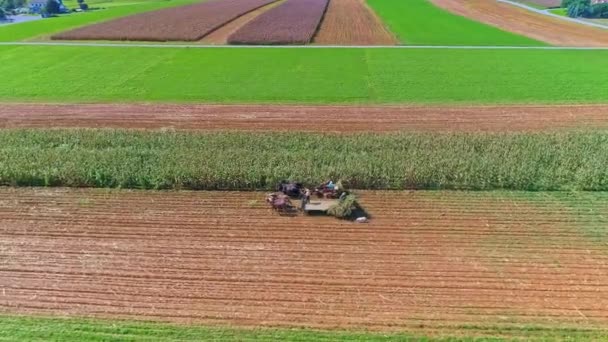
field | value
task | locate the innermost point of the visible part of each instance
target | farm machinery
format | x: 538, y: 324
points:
x: 328, y: 198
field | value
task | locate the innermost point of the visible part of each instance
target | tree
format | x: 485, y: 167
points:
x: 51, y: 7
x: 11, y: 5
x: 80, y: 2
x: 3, y: 15
x: 579, y: 8
x: 600, y: 10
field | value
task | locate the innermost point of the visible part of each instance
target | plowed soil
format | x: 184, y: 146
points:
x: 351, y: 22
x: 304, y: 118
x: 220, y: 36
x: 292, y: 22
x: 534, y: 25
x: 182, y: 23
x: 426, y: 258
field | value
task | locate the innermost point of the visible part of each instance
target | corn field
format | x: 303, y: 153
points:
x: 255, y: 161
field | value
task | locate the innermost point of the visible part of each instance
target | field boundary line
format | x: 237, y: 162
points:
x: 549, y: 14
x: 199, y: 46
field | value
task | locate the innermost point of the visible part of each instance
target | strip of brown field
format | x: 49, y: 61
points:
x: 352, y: 22
x: 220, y: 36
x: 430, y: 258
x: 183, y: 23
x: 292, y: 22
x: 304, y: 118
x: 534, y: 25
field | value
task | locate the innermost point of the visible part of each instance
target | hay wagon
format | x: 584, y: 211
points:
x: 319, y: 205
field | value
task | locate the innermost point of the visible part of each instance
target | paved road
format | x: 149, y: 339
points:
x: 199, y: 46
x: 18, y: 19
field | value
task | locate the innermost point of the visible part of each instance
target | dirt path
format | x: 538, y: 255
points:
x: 220, y: 36
x: 427, y: 258
x: 352, y: 22
x: 518, y: 20
x: 305, y: 118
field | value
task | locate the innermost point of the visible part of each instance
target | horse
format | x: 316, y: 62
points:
x: 291, y: 189
x: 279, y: 202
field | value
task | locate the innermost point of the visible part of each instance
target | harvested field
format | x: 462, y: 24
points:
x: 432, y: 259
x: 351, y: 22
x: 220, y: 36
x: 185, y: 23
x: 284, y: 117
x: 293, y: 22
x: 534, y: 25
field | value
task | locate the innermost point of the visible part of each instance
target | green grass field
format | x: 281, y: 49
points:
x: 531, y: 3
x: 419, y: 22
x: 259, y: 75
x: 250, y: 161
x: 114, y: 9
x: 22, y: 328
x: 560, y: 11
x: 107, y: 3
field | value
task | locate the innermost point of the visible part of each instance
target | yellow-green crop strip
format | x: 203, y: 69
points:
x: 256, y: 161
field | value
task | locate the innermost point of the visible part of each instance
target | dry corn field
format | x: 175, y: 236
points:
x: 426, y: 258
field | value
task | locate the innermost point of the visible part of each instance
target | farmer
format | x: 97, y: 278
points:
x: 330, y: 185
x: 305, y: 197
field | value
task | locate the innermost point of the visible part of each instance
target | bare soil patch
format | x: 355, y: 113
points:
x: 534, y: 25
x: 304, y: 118
x: 184, y: 23
x: 352, y: 22
x: 426, y: 259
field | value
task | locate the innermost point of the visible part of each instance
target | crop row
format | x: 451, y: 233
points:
x: 185, y: 23
x: 247, y: 161
x: 293, y: 22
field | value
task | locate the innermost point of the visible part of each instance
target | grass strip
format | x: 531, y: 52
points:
x: 32, y: 328
x: 248, y: 161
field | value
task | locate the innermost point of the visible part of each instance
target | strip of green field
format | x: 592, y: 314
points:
x: 22, y: 328
x: 250, y: 161
x: 228, y: 75
x: 560, y: 11
x: 419, y: 22
x: 33, y: 29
